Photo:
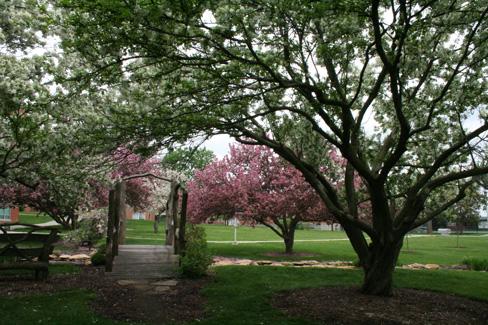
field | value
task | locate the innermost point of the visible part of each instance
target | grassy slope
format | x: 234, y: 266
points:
x: 240, y: 295
x: 425, y: 249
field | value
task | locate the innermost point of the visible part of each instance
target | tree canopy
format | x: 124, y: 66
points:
x: 187, y: 160
x: 397, y: 88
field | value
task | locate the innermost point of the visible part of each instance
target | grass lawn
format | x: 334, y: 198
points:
x: 241, y: 294
x: 420, y: 249
x: 141, y: 232
x: 69, y: 307
x: 33, y: 218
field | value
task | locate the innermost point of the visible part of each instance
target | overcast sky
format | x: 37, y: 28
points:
x: 219, y: 144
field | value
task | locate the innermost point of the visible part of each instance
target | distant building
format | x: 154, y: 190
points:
x: 9, y: 215
x: 139, y: 215
x: 325, y: 226
x: 483, y: 224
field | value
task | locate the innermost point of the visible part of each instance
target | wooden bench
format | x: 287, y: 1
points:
x: 26, y: 248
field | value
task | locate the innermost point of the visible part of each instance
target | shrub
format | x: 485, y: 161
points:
x: 195, y: 259
x: 99, y: 257
x: 476, y: 264
x: 90, y: 229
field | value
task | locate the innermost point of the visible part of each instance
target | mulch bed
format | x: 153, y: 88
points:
x: 345, y: 305
x: 181, y: 303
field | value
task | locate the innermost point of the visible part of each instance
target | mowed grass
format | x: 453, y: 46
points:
x: 241, y: 295
x: 420, y: 249
x: 65, y: 308
x: 142, y: 232
x: 33, y: 217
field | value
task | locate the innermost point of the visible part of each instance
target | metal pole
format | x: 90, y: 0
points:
x: 235, y: 234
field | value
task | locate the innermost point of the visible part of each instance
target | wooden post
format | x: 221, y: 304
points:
x: 109, y: 256
x: 172, y: 214
x: 120, y: 211
x: 180, y: 243
x: 115, y: 236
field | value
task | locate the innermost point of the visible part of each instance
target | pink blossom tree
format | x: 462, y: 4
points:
x: 260, y: 187
x: 64, y: 195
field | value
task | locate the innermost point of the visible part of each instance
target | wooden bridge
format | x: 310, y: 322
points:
x: 141, y: 262
x: 144, y: 262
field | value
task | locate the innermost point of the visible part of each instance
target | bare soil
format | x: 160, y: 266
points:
x: 344, y: 305
x: 126, y: 303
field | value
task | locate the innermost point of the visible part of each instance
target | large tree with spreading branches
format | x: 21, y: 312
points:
x: 399, y: 88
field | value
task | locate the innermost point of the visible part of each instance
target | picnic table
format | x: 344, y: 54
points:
x: 27, y: 247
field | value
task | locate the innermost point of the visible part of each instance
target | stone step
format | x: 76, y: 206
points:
x: 146, y: 248
x: 143, y: 253
x: 145, y: 276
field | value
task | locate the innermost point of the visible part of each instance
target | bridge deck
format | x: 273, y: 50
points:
x: 144, y: 262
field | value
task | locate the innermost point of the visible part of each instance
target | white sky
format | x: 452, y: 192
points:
x: 219, y: 144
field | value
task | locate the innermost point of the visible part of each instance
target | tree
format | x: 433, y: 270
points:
x: 187, y: 160
x: 259, y: 186
x: 467, y: 212
x: 25, y: 99
x: 390, y: 85
x: 83, y: 187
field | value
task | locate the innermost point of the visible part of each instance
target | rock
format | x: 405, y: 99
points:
x: 167, y: 283
x: 64, y: 257
x: 432, y: 266
x: 78, y: 257
x: 131, y: 282
x: 414, y: 266
x: 223, y: 263
x: 53, y: 257
x: 457, y: 267
x: 142, y: 287
x: 276, y: 264
x: 304, y: 263
x: 161, y: 289
x: 264, y: 262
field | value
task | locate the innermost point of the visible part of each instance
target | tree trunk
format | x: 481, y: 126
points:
x: 378, y: 271
x: 73, y: 222
x: 289, y: 239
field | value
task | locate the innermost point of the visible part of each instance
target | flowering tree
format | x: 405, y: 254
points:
x: 258, y: 186
x: 65, y: 196
x: 392, y: 85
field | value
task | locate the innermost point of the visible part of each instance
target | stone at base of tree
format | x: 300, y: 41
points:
x: 223, y: 261
x: 305, y: 263
x: 418, y: 266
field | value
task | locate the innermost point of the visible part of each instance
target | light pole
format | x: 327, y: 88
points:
x: 235, y: 223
